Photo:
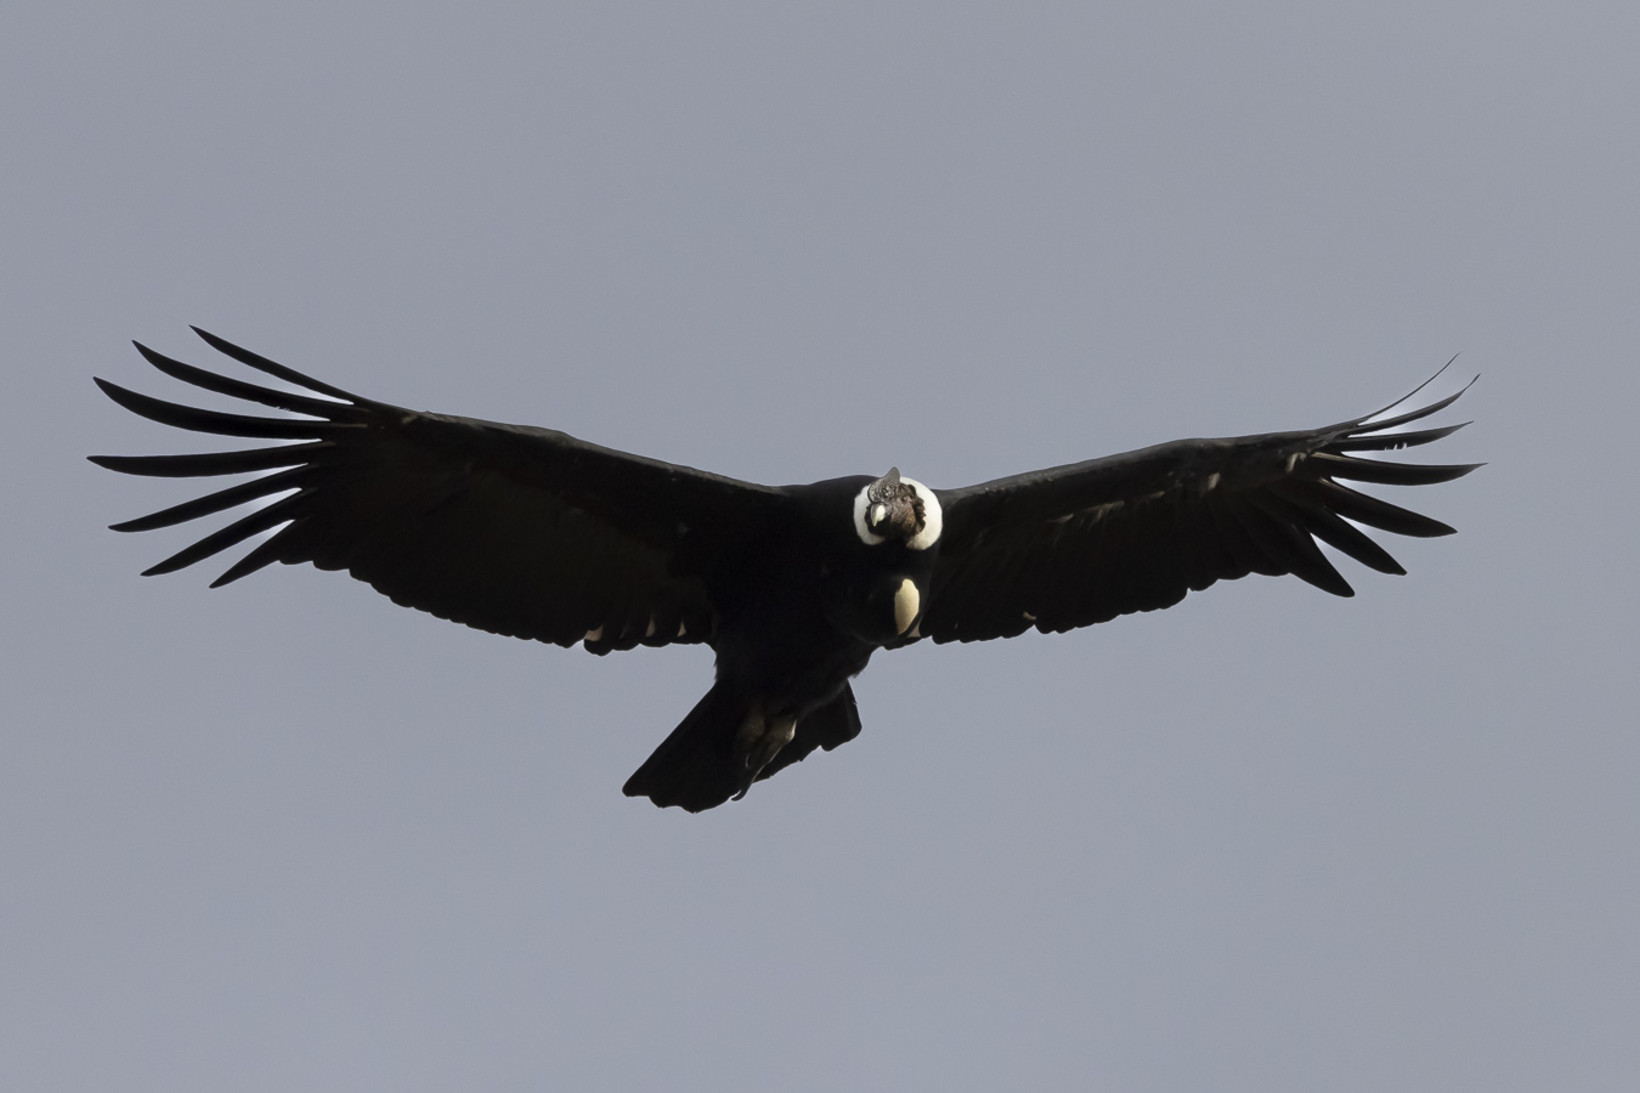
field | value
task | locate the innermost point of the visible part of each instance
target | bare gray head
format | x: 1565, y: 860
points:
x: 899, y: 508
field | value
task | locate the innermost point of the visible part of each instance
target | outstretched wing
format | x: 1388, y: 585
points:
x: 1081, y: 544
x: 516, y: 530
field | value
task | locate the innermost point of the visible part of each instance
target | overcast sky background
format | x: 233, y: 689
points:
x: 287, y: 836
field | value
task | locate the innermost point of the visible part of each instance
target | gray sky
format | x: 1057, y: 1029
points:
x: 289, y: 836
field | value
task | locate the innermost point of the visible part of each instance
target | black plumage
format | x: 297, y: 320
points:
x: 535, y: 534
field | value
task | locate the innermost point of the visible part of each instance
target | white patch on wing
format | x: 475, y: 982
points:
x: 595, y: 635
x: 861, y: 528
x: 933, y: 518
x: 649, y: 631
x: 906, y: 603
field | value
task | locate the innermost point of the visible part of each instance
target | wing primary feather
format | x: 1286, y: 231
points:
x: 250, y: 392
x: 201, y: 464
x: 1388, y: 474
x: 1332, y: 529
x: 1308, y: 563
x: 218, y: 501
x: 1367, y: 425
x: 222, y: 539
x: 1364, y: 509
x: 274, y: 368
x: 1413, y: 393
x: 1337, y: 532
x: 215, y: 421
x: 266, y: 553
x: 1379, y: 442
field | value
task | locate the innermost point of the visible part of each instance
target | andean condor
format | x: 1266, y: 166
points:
x: 533, y: 533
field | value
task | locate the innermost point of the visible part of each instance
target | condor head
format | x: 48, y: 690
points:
x: 897, y: 509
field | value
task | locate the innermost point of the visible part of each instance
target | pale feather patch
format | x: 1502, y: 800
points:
x: 595, y: 635
x: 906, y: 603
x: 933, y: 518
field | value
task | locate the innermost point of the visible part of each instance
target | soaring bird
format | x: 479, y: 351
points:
x: 532, y: 533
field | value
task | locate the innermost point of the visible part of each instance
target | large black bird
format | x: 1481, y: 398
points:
x: 533, y: 533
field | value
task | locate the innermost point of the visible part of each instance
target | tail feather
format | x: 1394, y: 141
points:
x: 695, y: 766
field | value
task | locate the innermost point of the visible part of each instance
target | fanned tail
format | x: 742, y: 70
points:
x: 702, y: 763
x: 694, y: 767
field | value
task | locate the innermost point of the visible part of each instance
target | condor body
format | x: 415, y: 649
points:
x: 532, y: 533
